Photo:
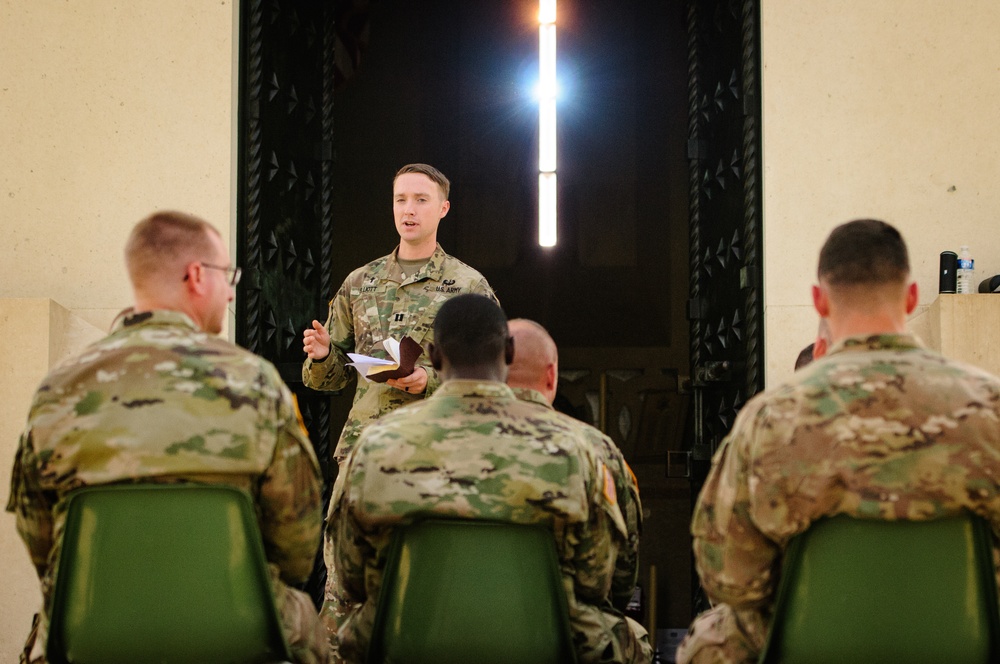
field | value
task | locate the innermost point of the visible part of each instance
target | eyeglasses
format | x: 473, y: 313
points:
x: 234, y: 272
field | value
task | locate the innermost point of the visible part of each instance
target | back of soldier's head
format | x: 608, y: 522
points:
x: 161, y: 245
x: 471, y: 331
x: 864, y: 252
x: 534, y: 352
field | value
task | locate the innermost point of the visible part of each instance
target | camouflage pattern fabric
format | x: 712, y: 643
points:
x: 376, y: 303
x: 626, y: 489
x: 879, y: 428
x: 473, y: 450
x: 160, y: 401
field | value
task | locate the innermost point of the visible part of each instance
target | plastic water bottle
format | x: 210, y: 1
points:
x: 965, y: 271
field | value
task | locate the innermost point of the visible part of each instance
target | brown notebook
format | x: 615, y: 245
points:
x: 403, y: 358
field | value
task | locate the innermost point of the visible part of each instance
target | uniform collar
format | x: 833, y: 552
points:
x: 131, y: 318
x: 473, y: 388
x: 530, y: 395
x: 905, y: 341
x: 432, y: 269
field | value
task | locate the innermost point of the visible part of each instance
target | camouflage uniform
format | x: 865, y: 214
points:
x: 473, y: 450
x: 880, y: 428
x: 376, y: 303
x: 626, y: 489
x: 159, y: 401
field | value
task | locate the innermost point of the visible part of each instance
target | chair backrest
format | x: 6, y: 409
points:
x: 857, y: 590
x: 166, y: 573
x: 472, y: 591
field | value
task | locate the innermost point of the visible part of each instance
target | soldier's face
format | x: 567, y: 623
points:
x: 418, y: 207
x: 220, y: 293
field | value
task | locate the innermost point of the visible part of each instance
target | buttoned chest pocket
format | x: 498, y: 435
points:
x: 371, y: 307
x: 420, y: 311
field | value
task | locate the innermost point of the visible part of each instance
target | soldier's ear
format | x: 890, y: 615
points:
x: 912, y: 297
x: 821, y: 301
x: 435, y: 355
x: 508, y: 351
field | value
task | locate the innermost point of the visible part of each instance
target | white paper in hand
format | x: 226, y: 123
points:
x: 369, y: 366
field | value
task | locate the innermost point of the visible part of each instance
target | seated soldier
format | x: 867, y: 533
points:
x: 162, y: 399
x: 472, y: 450
x: 879, y: 428
x: 534, y: 376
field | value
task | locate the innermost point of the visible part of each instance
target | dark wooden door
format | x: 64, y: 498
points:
x: 284, y: 186
x: 726, y: 304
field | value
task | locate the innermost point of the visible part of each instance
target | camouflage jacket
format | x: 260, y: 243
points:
x: 473, y: 450
x: 376, y: 303
x: 880, y: 428
x: 626, y: 488
x: 159, y: 401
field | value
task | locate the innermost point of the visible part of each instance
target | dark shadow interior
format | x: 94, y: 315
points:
x: 449, y: 83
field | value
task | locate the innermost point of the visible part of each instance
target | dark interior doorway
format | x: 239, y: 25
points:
x: 652, y: 293
x: 449, y: 83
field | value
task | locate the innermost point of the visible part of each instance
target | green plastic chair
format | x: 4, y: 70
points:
x: 458, y: 591
x: 857, y: 590
x: 166, y: 573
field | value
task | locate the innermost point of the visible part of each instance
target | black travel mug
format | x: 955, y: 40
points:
x: 949, y: 264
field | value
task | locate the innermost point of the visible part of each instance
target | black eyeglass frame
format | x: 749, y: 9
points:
x: 234, y: 272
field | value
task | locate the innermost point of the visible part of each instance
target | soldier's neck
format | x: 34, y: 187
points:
x: 416, y: 252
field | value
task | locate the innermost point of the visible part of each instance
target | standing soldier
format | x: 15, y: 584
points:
x: 392, y: 297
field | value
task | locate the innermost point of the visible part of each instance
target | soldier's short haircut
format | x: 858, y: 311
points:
x: 470, y: 330
x: 431, y: 172
x: 165, y: 240
x: 864, y: 251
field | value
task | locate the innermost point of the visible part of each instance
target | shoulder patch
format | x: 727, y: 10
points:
x: 298, y: 416
x: 635, y: 480
x: 609, y: 485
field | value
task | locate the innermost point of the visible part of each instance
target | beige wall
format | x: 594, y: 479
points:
x: 108, y: 110
x: 875, y: 108
x: 37, y: 332
x: 111, y: 109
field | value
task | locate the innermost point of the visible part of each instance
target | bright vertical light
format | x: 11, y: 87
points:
x: 546, y: 11
x: 547, y: 136
x: 547, y: 209
x: 547, y: 87
x: 547, y: 61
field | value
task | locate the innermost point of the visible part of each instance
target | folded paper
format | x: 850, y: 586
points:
x: 404, y: 355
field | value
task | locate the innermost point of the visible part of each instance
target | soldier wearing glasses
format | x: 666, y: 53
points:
x: 163, y: 399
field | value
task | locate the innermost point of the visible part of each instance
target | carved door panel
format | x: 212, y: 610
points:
x: 726, y: 307
x: 284, y: 188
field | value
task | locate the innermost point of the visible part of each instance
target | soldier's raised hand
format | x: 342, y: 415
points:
x: 316, y: 341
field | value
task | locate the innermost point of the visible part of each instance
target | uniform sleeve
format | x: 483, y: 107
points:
x: 433, y: 379
x: 350, y: 549
x: 627, y: 562
x: 596, y: 549
x: 736, y: 562
x: 348, y: 542
x: 482, y: 287
x: 626, y: 493
x: 32, y: 507
x: 332, y: 373
x: 291, y: 498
